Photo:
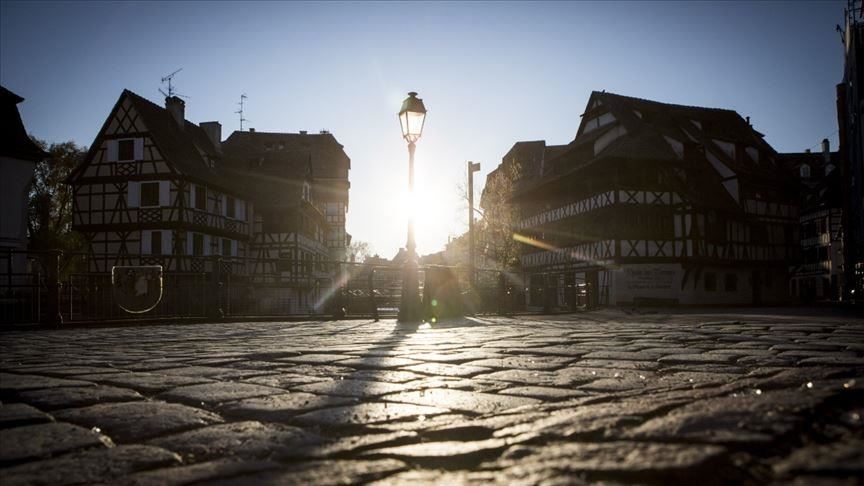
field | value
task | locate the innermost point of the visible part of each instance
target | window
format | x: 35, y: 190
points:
x: 197, y: 244
x: 201, y: 198
x: 126, y: 149
x: 284, y: 265
x: 804, y: 171
x: 149, y: 194
x: 230, y: 209
x: 226, y: 247
x: 710, y: 282
x: 730, y: 282
x: 155, y: 241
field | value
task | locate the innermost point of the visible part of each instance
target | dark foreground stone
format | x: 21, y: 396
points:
x: 599, y: 397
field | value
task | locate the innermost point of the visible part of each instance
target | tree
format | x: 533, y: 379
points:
x: 358, y: 251
x: 49, y: 211
x: 500, y: 217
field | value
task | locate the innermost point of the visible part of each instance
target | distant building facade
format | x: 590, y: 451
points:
x: 654, y: 203
x: 850, y: 114
x: 301, y: 195
x: 319, y: 159
x: 818, y: 275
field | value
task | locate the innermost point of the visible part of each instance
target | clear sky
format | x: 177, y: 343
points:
x: 490, y: 74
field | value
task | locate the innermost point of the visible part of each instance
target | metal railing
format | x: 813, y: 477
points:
x: 53, y: 287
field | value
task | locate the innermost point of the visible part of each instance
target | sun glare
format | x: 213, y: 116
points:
x: 432, y: 210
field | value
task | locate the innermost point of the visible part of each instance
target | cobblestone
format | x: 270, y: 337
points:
x: 132, y: 421
x: 44, y: 440
x: 93, y: 466
x: 600, y: 397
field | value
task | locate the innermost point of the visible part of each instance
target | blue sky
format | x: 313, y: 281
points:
x: 490, y: 73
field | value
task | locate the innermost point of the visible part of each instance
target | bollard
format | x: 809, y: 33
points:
x: 54, y: 287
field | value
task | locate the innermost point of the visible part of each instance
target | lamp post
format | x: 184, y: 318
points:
x: 472, y: 268
x: 411, y: 118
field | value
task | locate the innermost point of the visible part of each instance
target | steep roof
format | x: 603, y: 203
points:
x: 285, y: 153
x: 14, y: 141
x: 188, y: 150
x: 819, y: 190
x: 636, y: 129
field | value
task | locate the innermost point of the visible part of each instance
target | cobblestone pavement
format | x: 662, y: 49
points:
x: 599, y: 397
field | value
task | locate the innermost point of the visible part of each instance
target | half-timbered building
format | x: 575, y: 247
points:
x: 318, y: 160
x: 290, y: 263
x: 818, y: 274
x: 150, y: 192
x: 268, y: 210
x: 654, y: 203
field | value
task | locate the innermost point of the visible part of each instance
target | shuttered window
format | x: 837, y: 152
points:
x: 197, y: 244
x: 230, y: 210
x: 156, y: 242
x: 201, y: 198
x: 126, y: 149
x: 149, y: 194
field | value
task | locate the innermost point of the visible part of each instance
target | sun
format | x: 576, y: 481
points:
x: 434, y: 214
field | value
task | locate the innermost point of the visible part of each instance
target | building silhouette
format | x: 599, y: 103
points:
x: 18, y: 158
x: 818, y: 274
x: 850, y: 110
x: 653, y: 203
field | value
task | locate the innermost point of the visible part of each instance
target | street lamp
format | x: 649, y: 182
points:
x: 472, y: 268
x: 412, y: 116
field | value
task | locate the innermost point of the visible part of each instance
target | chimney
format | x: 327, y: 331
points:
x: 177, y: 108
x: 826, y: 150
x: 251, y: 130
x: 748, y: 121
x: 213, y: 130
x: 302, y: 132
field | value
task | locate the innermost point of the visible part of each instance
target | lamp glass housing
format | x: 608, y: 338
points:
x: 412, y: 116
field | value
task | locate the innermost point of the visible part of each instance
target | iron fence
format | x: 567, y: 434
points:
x: 51, y: 287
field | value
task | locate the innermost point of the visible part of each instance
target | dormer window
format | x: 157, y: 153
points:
x: 804, y: 171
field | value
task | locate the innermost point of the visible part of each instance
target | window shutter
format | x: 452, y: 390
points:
x: 189, y: 240
x: 241, y: 210
x: 145, y: 242
x: 111, y: 146
x: 223, y: 201
x: 133, y: 199
x: 164, y: 193
x: 233, y: 248
x: 207, y: 244
x: 191, y: 202
x: 166, y: 242
x: 139, y: 149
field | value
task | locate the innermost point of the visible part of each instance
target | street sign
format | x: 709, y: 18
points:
x: 137, y: 289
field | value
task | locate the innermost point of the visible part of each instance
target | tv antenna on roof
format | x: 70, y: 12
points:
x: 168, y: 79
x: 240, y: 111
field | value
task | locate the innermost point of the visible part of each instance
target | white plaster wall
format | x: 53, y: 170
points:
x: 644, y: 281
x: 16, y: 176
x: 663, y: 281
